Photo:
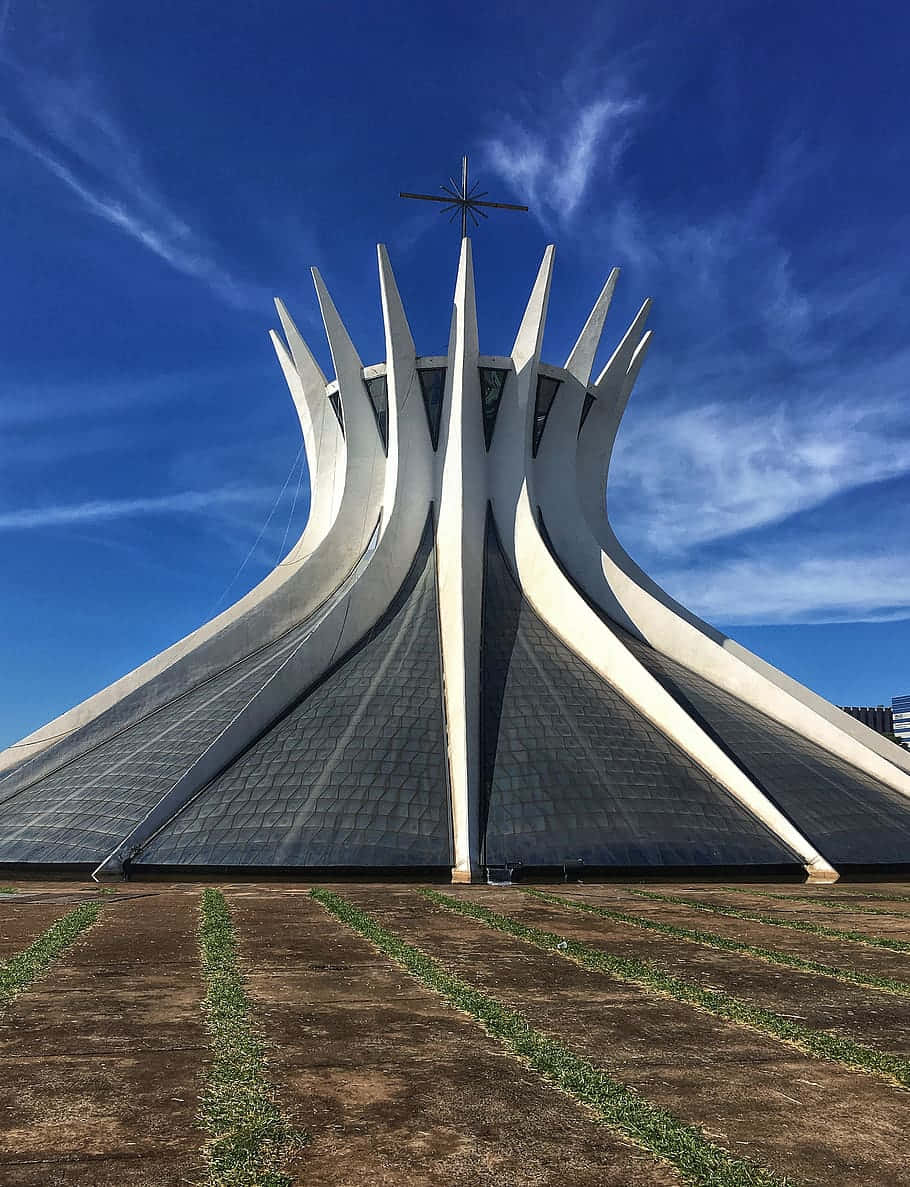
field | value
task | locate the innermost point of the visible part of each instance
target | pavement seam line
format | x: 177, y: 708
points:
x: 249, y: 1140
x: 712, y: 940
x: 803, y: 925
x: 685, y: 1147
x: 19, y: 971
x: 821, y: 1044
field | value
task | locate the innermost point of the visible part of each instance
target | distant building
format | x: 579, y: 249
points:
x: 877, y: 717
x: 900, y: 710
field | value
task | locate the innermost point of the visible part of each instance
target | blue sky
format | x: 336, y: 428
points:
x: 166, y: 169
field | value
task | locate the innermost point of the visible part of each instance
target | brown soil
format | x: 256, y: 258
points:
x: 880, y: 1019
x: 757, y: 1096
x: 102, y: 1059
x: 894, y: 924
x: 878, y: 961
x: 397, y: 1088
x: 22, y: 925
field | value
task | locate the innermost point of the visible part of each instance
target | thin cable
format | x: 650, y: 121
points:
x: 65, y: 733
x: 262, y: 532
x: 287, y: 526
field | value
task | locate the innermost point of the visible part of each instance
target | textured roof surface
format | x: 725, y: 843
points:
x: 80, y: 812
x: 572, y: 771
x: 355, y: 775
x: 850, y: 817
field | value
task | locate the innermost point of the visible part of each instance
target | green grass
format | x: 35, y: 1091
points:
x: 17, y: 973
x: 810, y: 898
x: 864, y: 894
x: 813, y: 929
x: 821, y: 1044
x: 249, y: 1141
x: 698, y: 1160
x: 8, y: 890
x: 711, y: 940
x: 887, y: 898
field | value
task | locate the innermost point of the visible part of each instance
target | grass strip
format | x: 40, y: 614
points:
x: 17, y: 973
x: 8, y: 890
x: 699, y: 1160
x: 710, y: 940
x: 862, y: 894
x: 821, y: 1044
x: 815, y: 898
x: 249, y: 1141
x: 813, y: 929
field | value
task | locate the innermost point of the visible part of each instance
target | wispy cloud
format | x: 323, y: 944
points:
x: 772, y: 389
x: 738, y: 506
x: 27, y: 402
x: 839, y: 586
x: 66, y: 124
x: 720, y: 278
x: 555, y: 161
x: 714, y: 471
x: 191, y: 502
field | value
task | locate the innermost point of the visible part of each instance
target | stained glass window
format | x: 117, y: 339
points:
x: 585, y: 409
x: 546, y: 390
x: 378, y: 391
x: 335, y: 401
x: 432, y: 385
x: 492, y: 384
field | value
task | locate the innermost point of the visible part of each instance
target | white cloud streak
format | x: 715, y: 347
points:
x: 190, y: 502
x: 65, y: 125
x: 840, y: 587
x: 768, y: 399
x: 556, y: 168
x: 26, y: 402
x: 715, y: 471
x: 710, y: 497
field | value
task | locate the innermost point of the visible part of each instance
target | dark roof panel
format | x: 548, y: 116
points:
x: 573, y: 772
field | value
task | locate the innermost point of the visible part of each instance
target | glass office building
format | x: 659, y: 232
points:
x: 900, y: 708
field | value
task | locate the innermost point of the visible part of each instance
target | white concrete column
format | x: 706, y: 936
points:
x: 556, y: 599
x: 459, y: 560
x: 675, y: 630
x: 325, y: 449
x: 510, y: 457
x: 581, y: 357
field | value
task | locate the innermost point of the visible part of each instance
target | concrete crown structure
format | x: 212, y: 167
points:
x: 457, y: 666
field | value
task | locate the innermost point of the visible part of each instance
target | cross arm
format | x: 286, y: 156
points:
x: 497, y: 205
x: 424, y: 197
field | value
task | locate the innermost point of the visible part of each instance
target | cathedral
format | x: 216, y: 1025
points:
x: 456, y: 670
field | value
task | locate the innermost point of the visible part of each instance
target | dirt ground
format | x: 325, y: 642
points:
x: 102, y: 1060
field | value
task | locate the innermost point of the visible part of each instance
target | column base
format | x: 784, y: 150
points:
x: 820, y: 875
x: 467, y: 877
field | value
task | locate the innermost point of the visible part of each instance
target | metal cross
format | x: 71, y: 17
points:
x: 464, y: 200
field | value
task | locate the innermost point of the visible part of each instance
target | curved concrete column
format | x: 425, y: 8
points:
x: 584, y: 632
x: 581, y: 357
x: 361, y: 600
x: 557, y: 497
x: 322, y: 436
x: 285, y: 598
x: 515, y: 423
x: 522, y: 484
x: 637, y: 602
